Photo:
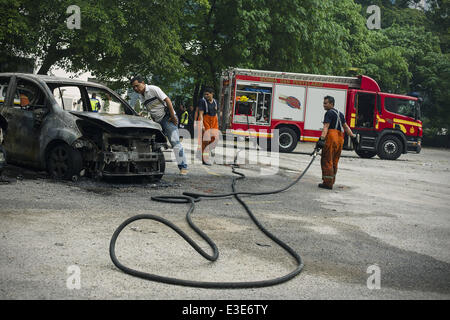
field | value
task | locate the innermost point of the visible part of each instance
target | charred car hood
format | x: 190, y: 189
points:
x: 118, y: 121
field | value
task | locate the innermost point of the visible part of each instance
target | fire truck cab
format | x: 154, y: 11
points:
x: 280, y: 108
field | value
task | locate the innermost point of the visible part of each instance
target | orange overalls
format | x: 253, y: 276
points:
x: 210, y: 134
x: 331, y: 153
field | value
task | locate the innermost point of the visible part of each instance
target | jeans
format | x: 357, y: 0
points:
x: 171, y: 132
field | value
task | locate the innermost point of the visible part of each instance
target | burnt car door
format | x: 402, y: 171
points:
x: 24, y: 115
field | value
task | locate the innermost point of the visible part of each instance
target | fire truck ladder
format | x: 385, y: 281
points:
x: 352, y: 82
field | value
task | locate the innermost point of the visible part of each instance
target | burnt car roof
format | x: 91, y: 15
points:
x: 52, y: 79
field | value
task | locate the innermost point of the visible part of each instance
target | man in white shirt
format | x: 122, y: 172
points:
x: 160, y: 109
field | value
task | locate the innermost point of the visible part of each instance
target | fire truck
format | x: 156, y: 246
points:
x: 283, y: 108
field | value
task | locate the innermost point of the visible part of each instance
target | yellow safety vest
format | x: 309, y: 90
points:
x: 95, y: 105
x: 185, y: 118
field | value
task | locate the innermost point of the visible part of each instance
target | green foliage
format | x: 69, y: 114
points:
x: 410, y: 53
x: 433, y: 78
x: 315, y: 36
x: 185, y: 45
x: 116, y: 38
x: 438, y: 15
x: 390, y: 69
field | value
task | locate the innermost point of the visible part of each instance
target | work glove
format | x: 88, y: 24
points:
x: 355, y: 141
x: 320, y: 144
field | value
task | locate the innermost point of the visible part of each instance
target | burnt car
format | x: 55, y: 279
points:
x: 73, y: 127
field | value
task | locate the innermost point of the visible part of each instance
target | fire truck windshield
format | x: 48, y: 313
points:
x: 404, y: 107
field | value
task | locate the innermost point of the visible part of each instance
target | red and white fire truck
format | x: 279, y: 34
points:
x: 254, y: 103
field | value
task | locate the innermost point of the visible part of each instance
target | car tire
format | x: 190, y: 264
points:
x: 162, y: 166
x: 64, y: 162
x: 287, y: 140
x: 390, y: 148
x: 366, y: 154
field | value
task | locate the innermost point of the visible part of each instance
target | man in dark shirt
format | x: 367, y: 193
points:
x: 332, y: 141
x: 207, y: 108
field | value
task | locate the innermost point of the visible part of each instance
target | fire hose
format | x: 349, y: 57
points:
x: 192, y: 198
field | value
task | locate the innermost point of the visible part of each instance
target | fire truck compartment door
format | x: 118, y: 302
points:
x: 314, y: 105
x: 252, y: 103
x: 289, y: 102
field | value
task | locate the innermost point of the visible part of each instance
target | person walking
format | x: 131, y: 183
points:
x: 331, y: 142
x: 208, y: 117
x: 160, y: 109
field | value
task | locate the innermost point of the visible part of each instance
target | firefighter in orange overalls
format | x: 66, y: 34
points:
x: 331, y: 141
x: 208, y: 108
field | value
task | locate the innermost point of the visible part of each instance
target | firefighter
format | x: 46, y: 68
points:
x: 331, y: 142
x: 208, y: 117
x: 95, y: 103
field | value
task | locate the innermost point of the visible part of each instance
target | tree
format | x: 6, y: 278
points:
x: 315, y: 36
x: 116, y: 38
x: 390, y: 69
x: 422, y: 36
x: 438, y: 14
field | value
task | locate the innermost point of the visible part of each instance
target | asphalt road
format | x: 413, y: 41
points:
x: 381, y: 233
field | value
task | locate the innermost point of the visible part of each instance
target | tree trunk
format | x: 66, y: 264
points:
x: 195, y: 96
x: 48, y: 62
x: 53, y: 56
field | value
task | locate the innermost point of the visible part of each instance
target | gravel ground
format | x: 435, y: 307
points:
x: 389, y: 216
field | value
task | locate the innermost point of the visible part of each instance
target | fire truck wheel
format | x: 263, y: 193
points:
x: 390, y: 148
x: 365, y: 154
x: 287, y: 140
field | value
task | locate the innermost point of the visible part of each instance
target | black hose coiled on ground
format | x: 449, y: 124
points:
x: 191, y: 198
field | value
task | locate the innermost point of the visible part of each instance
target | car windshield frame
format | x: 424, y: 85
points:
x: 105, y: 97
x: 83, y: 86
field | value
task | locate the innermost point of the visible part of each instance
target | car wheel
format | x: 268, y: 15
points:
x: 390, y: 148
x: 162, y: 166
x: 64, y: 162
x: 365, y: 153
x: 287, y: 140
